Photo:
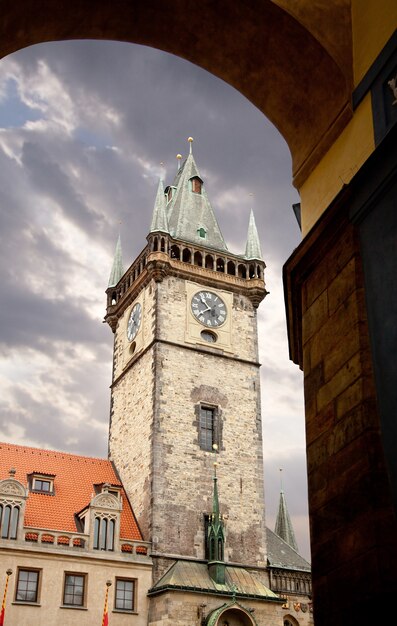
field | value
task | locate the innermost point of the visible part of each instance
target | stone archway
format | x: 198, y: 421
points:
x: 299, y: 74
x: 232, y: 614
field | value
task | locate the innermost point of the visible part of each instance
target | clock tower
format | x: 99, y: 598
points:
x: 186, y: 387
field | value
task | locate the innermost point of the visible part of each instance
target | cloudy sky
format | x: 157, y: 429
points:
x: 84, y: 127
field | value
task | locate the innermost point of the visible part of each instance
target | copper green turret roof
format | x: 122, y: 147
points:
x: 190, y: 214
x: 159, y: 219
x: 253, y: 247
x: 117, y: 267
x: 283, y: 526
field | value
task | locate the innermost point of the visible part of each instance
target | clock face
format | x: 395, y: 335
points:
x: 209, y: 309
x: 134, y: 321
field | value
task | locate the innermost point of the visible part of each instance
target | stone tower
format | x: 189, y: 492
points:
x: 186, y: 381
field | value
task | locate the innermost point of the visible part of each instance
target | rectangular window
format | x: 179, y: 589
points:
x: 125, y: 594
x: 42, y: 485
x: 207, y: 427
x: 73, y: 593
x: 27, y: 585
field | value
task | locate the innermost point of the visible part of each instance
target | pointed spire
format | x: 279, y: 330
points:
x: 117, y: 267
x: 215, y: 499
x: 159, y: 219
x: 253, y: 247
x: 283, y: 527
x: 190, y: 214
x: 216, y: 538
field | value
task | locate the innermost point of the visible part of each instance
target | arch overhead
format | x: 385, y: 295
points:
x: 293, y: 62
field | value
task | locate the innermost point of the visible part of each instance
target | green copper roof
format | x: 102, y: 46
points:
x: 117, y: 267
x: 159, y: 219
x: 189, y: 212
x: 253, y: 247
x: 194, y: 576
x: 283, y: 526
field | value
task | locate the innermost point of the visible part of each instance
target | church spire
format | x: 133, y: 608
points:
x: 117, y: 267
x: 216, y: 538
x: 283, y: 527
x: 189, y: 211
x: 159, y: 218
x: 253, y: 247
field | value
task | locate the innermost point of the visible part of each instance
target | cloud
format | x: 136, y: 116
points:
x: 95, y: 121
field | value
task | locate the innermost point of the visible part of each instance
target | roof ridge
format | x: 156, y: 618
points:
x: 53, y: 452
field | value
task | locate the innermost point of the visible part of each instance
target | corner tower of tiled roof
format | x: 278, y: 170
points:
x: 159, y: 218
x: 190, y: 214
x: 253, y: 246
x: 117, y: 267
x: 283, y: 527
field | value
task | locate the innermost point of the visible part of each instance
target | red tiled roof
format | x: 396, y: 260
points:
x: 75, y: 477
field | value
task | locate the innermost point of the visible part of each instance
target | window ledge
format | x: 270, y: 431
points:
x: 71, y: 606
x: 125, y: 611
x: 24, y: 603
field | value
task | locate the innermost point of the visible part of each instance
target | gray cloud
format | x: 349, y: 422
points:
x: 109, y: 114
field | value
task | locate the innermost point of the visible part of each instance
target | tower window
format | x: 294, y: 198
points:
x: 202, y: 232
x: 196, y: 185
x: 207, y: 428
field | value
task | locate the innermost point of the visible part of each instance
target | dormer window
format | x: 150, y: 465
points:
x: 42, y: 483
x: 202, y: 233
x: 169, y: 192
x: 196, y: 184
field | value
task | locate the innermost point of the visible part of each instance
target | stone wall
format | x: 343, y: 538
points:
x: 154, y: 430
x: 348, y: 486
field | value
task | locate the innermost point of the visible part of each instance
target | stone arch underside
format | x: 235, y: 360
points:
x: 272, y: 55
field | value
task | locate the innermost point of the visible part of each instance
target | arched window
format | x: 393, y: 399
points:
x: 104, y: 533
x: 9, y: 516
x: 242, y: 271
x: 231, y: 268
x: 258, y: 271
x: 220, y: 550
x: 162, y: 245
x: 198, y: 259
x: 175, y: 252
x: 220, y: 265
x: 155, y: 244
x: 209, y: 262
x: 186, y: 255
x: 252, y: 271
x: 114, y: 297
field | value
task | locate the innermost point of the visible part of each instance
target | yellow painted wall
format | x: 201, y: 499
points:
x: 338, y: 166
x: 373, y: 23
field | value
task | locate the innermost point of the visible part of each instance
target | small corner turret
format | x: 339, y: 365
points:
x: 216, y: 538
x: 117, y: 267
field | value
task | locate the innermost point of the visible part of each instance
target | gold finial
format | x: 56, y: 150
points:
x: 190, y: 140
x: 178, y: 160
x: 215, y: 446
